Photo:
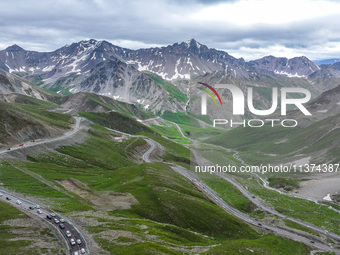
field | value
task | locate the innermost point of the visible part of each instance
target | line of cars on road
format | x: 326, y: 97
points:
x: 60, y: 222
x: 52, y: 217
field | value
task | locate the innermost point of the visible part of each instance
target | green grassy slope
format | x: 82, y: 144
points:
x: 19, y: 239
x: 117, y: 121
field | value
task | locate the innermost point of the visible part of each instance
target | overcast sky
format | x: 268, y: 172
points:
x: 244, y: 28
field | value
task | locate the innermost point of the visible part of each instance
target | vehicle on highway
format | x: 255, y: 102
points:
x: 62, y: 220
x: 9, y: 149
x: 19, y: 202
x: 48, y: 216
x: 53, y: 214
x: 21, y: 144
x: 75, y: 253
x: 72, y: 242
x: 8, y: 198
x: 31, y: 207
x: 39, y: 211
x: 68, y: 233
x: 82, y: 251
x: 1, y: 194
x: 56, y: 221
x: 78, y: 241
x: 62, y: 226
x: 311, y: 241
x: 259, y: 224
x: 37, y: 206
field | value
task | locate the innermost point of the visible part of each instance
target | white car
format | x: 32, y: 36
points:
x: 37, y: 206
x: 19, y: 202
x: 72, y: 241
x: 56, y: 221
x: 39, y: 211
x: 1, y: 194
x: 62, y: 220
x: 68, y: 233
x: 82, y: 251
x: 78, y: 241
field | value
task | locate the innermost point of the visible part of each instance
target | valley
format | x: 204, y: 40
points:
x: 105, y: 141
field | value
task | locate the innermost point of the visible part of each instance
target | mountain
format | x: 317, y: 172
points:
x: 180, y: 60
x: 174, y: 61
x: 69, y: 60
x: 129, y: 75
x: 10, y: 83
x: 183, y: 60
x: 114, y: 78
x: 294, y: 67
x: 328, y: 102
x: 326, y: 61
x: 90, y: 66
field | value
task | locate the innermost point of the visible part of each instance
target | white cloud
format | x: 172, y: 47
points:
x: 252, y: 12
x: 244, y: 28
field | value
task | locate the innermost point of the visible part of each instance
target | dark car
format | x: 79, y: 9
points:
x: 9, y: 149
x: 259, y: 224
x: 31, y: 207
x: 8, y: 198
x: 48, y: 216
x: 62, y: 226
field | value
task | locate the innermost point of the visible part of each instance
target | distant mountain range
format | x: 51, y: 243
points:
x: 139, y: 76
x: 326, y: 61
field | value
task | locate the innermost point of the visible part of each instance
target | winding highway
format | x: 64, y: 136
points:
x: 222, y: 204
x: 79, y: 246
x: 75, y: 234
x: 258, y: 203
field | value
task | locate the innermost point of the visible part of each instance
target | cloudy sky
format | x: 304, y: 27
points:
x: 244, y: 28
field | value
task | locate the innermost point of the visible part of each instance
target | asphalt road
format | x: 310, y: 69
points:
x: 146, y: 155
x: 179, y: 129
x: 152, y: 143
x: 42, y: 212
